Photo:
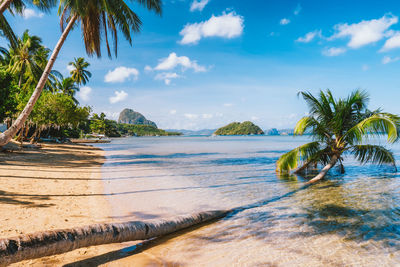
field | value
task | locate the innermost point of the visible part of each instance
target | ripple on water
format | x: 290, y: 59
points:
x: 347, y: 220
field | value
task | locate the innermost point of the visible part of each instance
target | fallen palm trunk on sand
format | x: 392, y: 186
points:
x: 48, y: 243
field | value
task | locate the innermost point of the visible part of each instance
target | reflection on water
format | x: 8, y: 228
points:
x: 350, y: 219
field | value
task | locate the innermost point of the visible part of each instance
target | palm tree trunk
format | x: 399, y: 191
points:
x: 48, y: 243
x: 4, y: 5
x: 325, y: 170
x: 8, y: 134
x: 302, y: 168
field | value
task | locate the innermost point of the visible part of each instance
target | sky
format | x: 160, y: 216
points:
x: 206, y: 63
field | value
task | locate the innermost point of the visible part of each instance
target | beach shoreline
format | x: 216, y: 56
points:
x: 52, y: 187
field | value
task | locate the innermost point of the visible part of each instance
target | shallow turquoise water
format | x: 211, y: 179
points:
x: 348, y: 220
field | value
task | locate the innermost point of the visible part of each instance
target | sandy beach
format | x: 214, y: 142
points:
x: 54, y: 187
x: 64, y: 186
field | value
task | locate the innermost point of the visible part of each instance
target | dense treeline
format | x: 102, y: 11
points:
x: 30, y: 64
x: 101, y: 125
x: 57, y: 113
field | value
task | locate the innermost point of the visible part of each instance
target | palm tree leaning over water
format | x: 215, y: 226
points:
x: 96, y: 17
x: 338, y: 126
x: 79, y: 73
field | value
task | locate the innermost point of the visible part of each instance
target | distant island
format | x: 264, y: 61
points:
x: 129, y: 116
x: 130, y: 123
x: 237, y: 128
x: 203, y: 132
x: 275, y: 131
x: 133, y: 123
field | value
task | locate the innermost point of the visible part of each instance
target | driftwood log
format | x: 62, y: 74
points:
x: 41, y: 244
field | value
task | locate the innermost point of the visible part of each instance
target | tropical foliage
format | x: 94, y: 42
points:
x: 339, y: 126
x: 57, y: 111
x: 100, y: 125
x: 237, y: 128
x: 97, y: 19
x: 79, y: 73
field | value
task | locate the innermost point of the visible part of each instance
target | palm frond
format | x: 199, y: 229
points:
x: 373, y: 154
x: 7, y: 32
x: 291, y: 159
x: 377, y: 124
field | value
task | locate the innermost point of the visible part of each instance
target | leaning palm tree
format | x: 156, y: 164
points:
x: 79, y: 73
x: 340, y: 126
x: 96, y: 17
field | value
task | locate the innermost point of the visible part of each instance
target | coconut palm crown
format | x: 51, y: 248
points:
x: 338, y: 126
x: 79, y: 72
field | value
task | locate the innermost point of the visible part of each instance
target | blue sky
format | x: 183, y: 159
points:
x: 208, y: 63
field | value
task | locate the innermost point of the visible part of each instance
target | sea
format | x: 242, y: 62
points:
x: 350, y: 219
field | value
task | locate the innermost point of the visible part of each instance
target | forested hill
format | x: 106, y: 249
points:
x: 129, y: 116
x: 237, y: 128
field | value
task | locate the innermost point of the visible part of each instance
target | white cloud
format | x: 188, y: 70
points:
x: 198, y: 5
x: 297, y: 9
x: 207, y: 116
x: 28, y: 13
x: 120, y: 74
x: 387, y: 59
x: 172, y: 111
x: 365, y: 67
x: 284, y: 21
x: 111, y: 115
x: 191, y: 116
x: 366, y: 31
x: 70, y: 68
x: 228, y: 104
x: 172, y: 61
x: 84, y: 93
x: 392, y: 43
x: 254, y: 118
x: 166, y: 77
x: 226, y: 26
x: 118, y: 97
x: 147, y: 68
x: 333, y: 51
x: 309, y: 36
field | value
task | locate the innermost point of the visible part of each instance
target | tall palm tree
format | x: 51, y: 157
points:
x: 7, y: 32
x: 96, y: 17
x: 338, y: 126
x: 24, y: 58
x: 19, y: 5
x: 69, y: 87
x: 79, y: 73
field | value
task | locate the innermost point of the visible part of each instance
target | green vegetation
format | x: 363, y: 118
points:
x: 142, y: 130
x: 132, y: 117
x: 339, y: 126
x: 237, y: 128
x: 101, y: 125
x: 31, y: 64
x: 57, y: 112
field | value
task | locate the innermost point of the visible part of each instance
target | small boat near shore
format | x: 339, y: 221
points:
x: 94, y: 138
x: 81, y: 141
